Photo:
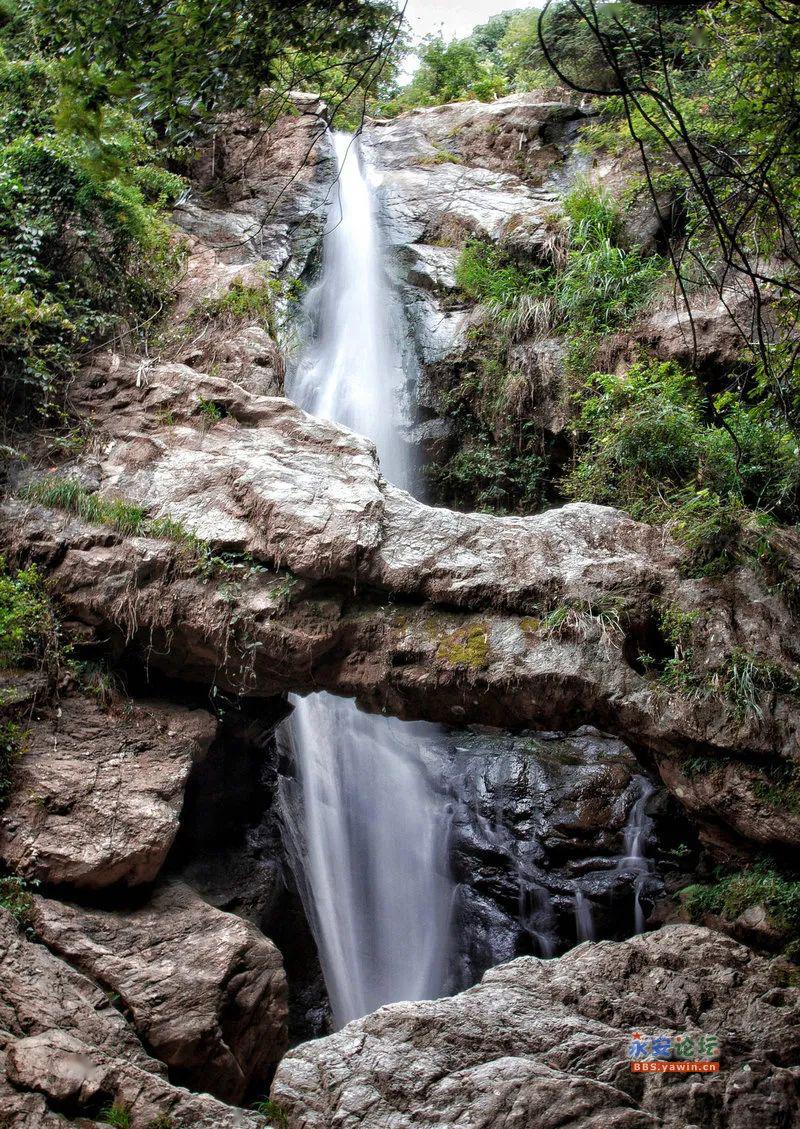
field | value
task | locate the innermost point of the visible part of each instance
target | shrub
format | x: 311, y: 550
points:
x: 648, y: 446
x: 27, y: 625
x: 492, y: 477
x: 83, y: 247
x: 15, y: 895
x: 733, y: 893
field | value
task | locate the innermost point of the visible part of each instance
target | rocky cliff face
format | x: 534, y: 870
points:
x: 276, y: 558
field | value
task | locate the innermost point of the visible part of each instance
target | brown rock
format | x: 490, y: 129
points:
x: 736, y: 796
x: 98, y: 792
x: 62, y: 1039
x: 206, y: 991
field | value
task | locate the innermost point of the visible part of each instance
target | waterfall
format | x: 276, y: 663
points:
x: 352, y: 372
x: 584, y: 921
x: 366, y: 833
x: 636, y: 831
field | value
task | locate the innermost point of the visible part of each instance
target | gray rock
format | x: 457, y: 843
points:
x: 62, y: 1040
x: 298, y: 492
x: 544, y: 1043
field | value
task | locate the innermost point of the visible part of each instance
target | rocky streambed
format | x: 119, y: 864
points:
x: 164, y: 963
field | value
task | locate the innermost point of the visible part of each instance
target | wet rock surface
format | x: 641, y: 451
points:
x: 553, y: 841
x: 545, y: 1043
x: 98, y: 790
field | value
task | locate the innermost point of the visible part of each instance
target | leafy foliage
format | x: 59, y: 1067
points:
x: 94, y: 97
x: 759, y: 884
x: 15, y: 895
x: 26, y: 619
x: 180, y: 61
x: 504, y: 55
x: 648, y: 446
x: 719, y: 119
x: 587, y: 292
x: 83, y: 247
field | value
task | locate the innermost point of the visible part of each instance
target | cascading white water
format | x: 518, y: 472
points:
x: 367, y: 842
x: 634, y: 860
x: 352, y: 371
x: 365, y: 831
x: 584, y: 920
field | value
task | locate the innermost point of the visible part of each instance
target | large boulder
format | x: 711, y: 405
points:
x: 64, y: 1044
x: 206, y: 992
x: 545, y: 1043
x: 98, y: 790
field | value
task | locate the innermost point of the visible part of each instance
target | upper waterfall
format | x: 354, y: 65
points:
x: 353, y: 370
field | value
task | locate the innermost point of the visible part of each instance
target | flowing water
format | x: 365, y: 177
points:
x: 365, y: 831
x: 634, y: 860
x: 584, y: 921
x: 352, y: 371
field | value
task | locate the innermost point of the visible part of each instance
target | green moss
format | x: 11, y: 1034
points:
x: 702, y: 766
x: 530, y: 625
x: 466, y: 646
x: 736, y: 892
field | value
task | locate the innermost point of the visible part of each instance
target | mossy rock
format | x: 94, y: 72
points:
x: 466, y: 646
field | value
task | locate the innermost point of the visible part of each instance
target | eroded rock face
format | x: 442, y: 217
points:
x: 206, y: 991
x: 97, y: 792
x: 63, y: 1042
x: 298, y: 492
x: 545, y: 1043
x: 542, y: 830
x: 493, y: 171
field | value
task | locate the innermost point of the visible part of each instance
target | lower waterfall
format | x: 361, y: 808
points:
x: 365, y: 832
x: 367, y: 837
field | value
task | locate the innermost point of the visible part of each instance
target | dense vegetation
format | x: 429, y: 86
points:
x: 505, y: 56
x: 714, y: 452
x: 97, y: 104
